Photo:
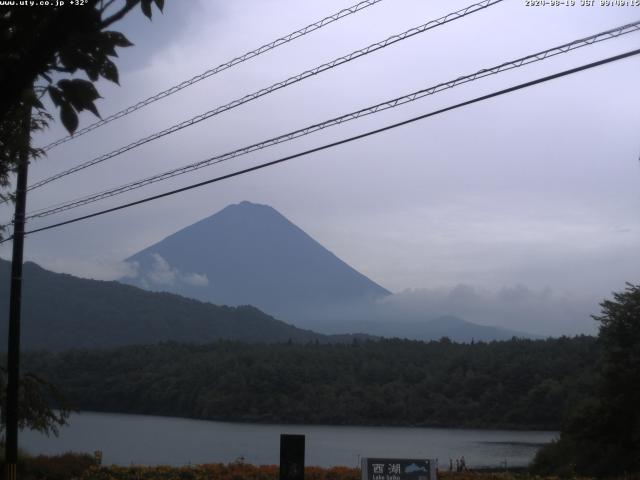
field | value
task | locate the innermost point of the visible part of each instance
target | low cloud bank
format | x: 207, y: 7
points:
x: 541, y: 312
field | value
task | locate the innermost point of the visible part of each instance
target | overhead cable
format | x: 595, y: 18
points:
x: 276, y: 86
x: 341, y: 142
x: 536, y: 57
x: 224, y: 66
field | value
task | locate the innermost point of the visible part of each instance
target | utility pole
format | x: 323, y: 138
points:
x: 13, y: 356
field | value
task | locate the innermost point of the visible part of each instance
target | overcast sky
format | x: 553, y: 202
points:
x: 534, y: 192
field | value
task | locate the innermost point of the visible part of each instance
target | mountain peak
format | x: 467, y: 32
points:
x: 247, y: 205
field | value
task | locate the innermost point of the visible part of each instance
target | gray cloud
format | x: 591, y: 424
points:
x: 540, y: 312
x: 161, y: 274
x: 196, y: 279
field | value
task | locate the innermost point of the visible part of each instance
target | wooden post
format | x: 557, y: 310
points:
x: 291, y: 457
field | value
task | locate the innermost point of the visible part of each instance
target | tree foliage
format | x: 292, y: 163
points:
x: 602, y: 433
x: 42, y: 51
x: 513, y: 384
x: 36, y: 399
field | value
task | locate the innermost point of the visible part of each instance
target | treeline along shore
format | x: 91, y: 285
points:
x: 516, y: 384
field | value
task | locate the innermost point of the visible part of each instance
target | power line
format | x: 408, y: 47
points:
x: 343, y: 141
x: 536, y: 57
x: 276, y: 86
x: 224, y: 66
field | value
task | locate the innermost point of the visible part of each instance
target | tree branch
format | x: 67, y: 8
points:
x: 119, y: 14
x: 103, y: 8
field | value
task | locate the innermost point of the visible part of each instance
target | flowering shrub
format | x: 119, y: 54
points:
x: 56, y: 467
x: 214, y: 471
x: 245, y: 471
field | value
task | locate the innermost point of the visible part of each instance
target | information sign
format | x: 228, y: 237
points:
x: 398, y: 469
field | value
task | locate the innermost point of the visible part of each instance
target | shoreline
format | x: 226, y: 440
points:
x: 139, y: 439
x: 499, y: 428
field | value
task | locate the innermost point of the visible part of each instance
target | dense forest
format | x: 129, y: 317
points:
x: 512, y: 384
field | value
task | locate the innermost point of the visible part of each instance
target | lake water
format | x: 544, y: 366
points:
x: 148, y: 440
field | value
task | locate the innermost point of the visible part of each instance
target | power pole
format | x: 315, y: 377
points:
x: 13, y: 356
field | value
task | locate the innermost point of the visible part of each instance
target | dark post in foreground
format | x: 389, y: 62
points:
x: 291, y: 457
x: 13, y: 356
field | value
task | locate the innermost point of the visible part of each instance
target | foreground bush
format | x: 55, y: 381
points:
x: 242, y: 471
x: 82, y: 467
x: 215, y: 471
x: 57, y: 467
x: 601, y: 434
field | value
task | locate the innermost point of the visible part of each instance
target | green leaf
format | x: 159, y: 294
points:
x: 81, y: 94
x: 70, y: 58
x: 160, y: 4
x: 38, y: 104
x: 85, y: 90
x: 146, y: 7
x: 93, y: 72
x: 108, y: 48
x: 69, y: 117
x: 93, y: 109
x: 56, y: 95
x: 118, y: 39
x: 109, y: 71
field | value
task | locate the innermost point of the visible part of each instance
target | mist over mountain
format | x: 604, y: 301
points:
x: 60, y: 312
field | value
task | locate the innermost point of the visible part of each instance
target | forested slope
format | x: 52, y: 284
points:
x: 61, y: 312
x: 513, y: 384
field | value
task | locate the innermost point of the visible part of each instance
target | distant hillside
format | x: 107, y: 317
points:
x: 249, y: 254
x: 454, y: 328
x: 61, y: 312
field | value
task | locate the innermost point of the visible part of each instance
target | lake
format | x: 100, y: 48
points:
x: 149, y: 440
